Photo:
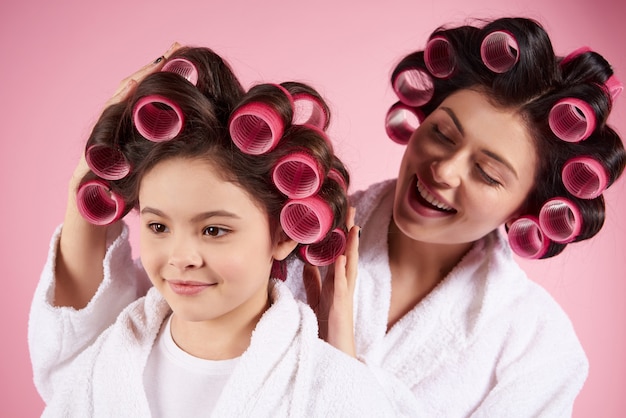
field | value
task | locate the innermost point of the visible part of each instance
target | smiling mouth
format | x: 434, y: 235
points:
x: 429, y: 200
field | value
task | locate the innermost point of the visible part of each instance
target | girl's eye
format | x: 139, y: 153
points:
x: 214, y: 231
x: 486, y: 177
x: 157, y: 228
x: 440, y: 135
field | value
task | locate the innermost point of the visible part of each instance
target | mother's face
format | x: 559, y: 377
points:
x: 467, y: 170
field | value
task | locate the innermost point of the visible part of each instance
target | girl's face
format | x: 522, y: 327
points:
x: 205, y: 244
x: 467, y: 169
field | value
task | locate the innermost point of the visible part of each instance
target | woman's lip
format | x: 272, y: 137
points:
x: 420, y: 206
x: 186, y: 288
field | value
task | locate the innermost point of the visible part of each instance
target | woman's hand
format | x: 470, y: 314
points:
x: 333, y: 299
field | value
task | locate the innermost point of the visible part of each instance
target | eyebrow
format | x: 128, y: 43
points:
x: 199, y: 217
x: 490, y: 154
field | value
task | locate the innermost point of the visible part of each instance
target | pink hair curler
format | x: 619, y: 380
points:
x: 309, y: 111
x: 184, y: 68
x: 107, y: 162
x: 614, y: 86
x: 584, y: 177
x: 526, y: 238
x: 297, y: 175
x: 337, y: 178
x: 413, y: 86
x: 499, y: 51
x: 97, y: 204
x: 306, y: 220
x: 439, y: 57
x: 256, y: 128
x: 574, y: 54
x: 401, y: 121
x: 158, y: 118
x: 327, y: 250
x: 560, y: 220
x: 572, y: 120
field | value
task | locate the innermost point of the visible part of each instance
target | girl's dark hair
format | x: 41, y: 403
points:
x: 532, y: 86
x: 208, y: 108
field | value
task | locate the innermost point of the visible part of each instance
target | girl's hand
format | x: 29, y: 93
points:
x: 333, y: 300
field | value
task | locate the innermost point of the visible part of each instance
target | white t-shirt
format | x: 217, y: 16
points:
x: 180, y: 385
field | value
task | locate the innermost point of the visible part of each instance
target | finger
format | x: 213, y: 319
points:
x: 312, y: 285
x: 352, y: 256
x: 350, y: 217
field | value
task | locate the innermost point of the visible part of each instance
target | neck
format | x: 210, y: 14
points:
x: 222, y: 338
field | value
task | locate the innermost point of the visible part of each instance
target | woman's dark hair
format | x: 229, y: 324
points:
x: 534, y: 81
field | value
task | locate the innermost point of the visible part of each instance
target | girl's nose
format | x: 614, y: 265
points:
x: 185, y: 255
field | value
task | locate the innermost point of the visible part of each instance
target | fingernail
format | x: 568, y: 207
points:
x: 359, y: 232
x: 158, y: 60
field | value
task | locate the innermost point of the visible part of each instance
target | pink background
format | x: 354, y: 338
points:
x: 62, y: 59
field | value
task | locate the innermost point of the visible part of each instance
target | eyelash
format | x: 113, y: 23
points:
x: 159, y: 228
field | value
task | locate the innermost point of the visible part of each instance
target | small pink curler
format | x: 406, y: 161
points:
x: 184, y: 68
x: 256, y: 128
x: 309, y: 111
x: 584, y: 177
x: 401, y: 122
x: 338, y: 178
x: 413, y: 86
x: 560, y: 220
x: 499, y: 51
x: 297, y: 175
x: 97, y: 204
x: 439, y: 57
x: 158, y: 118
x: 574, y: 54
x: 306, y: 220
x: 526, y: 238
x: 107, y: 162
x: 615, y: 87
x: 327, y: 250
x: 572, y: 120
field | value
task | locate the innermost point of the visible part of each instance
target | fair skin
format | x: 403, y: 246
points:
x: 78, y: 268
x: 207, y: 247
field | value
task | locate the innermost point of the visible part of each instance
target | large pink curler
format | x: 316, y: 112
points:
x: 97, y: 204
x: 572, y: 120
x: 584, y: 177
x: 614, y: 86
x: 297, y: 175
x: 499, y: 51
x: 256, y: 128
x: 309, y: 111
x: 439, y: 57
x: 182, y: 67
x: 337, y: 178
x: 526, y: 238
x: 574, y: 54
x: 107, y: 162
x: 158, y: 118
x: 306, y: 220
x: 401, y: 121
x: 413, y: 86
x: 560, y: 220
x: 327, y: 250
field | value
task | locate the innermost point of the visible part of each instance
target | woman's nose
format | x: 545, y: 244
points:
x: 448, y: 171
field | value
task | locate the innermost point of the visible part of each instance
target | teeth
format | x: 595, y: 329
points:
x: 430, y: 198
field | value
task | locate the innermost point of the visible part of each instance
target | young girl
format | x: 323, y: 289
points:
x: 226, y: 187
x: 499, y: 131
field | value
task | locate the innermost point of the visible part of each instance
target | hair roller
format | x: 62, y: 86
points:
x: 338, y: 178
x: 309, y: 111
x: 413, y: 86
x: 584, y: 177
x: 527, y: 239
x: 107, y: 162
x: 614, y: 86
x: 560, y: 220
x: 297, y: 175
x: 572, y: 119
x: 97, y: 204
x: 184, y: 68
x: 439, y: 57
x: 306, y: 220
x: 158, y: 118
x: 575, y: 53
x: 499, y: 51
x: 401, y: 121
x: 326, y: 251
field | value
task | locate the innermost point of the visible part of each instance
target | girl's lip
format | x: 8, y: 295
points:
x: 421, y: 206
x: 188, y: 288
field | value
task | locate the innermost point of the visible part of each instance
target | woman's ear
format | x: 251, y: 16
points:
x: 283, y: 245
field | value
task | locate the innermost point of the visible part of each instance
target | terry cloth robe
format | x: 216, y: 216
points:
x: 486, y: 342
x: 90, y: 362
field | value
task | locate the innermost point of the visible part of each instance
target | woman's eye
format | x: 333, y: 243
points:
x: 214, y: 231
x: 157, y: 227
x: 486, y: 177
x: 440, y: 135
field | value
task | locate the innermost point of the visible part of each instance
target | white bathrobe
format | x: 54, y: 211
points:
x: 90, y: 362
x: 486, y: 342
